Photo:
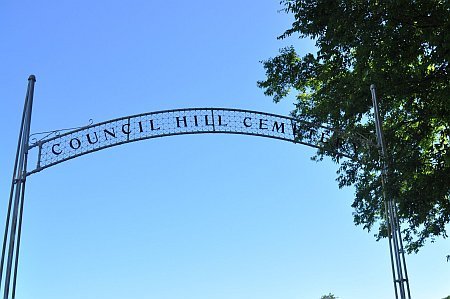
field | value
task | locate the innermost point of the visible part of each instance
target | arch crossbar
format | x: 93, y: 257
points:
x: 95, y: 137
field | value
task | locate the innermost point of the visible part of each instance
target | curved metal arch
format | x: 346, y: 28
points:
x: 95, y: 137
x: 80, y: 141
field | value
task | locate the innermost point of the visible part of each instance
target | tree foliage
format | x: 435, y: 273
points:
x: 403, y: 47
x: 329, y: 296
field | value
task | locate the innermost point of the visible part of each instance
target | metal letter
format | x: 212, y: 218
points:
x: 113, y: 133
x: 141, y: 129
x: 127, y: 131
x: 78, y: 143
x: 152, y: 126
x: 184, y: 122
x: 261, y: 123
x: 245, y: 122
x: 278, y: 127
x: 89, y: 138
x: 54, y: 151
x: 220, y: 121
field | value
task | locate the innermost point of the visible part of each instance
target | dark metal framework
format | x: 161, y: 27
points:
x: 56, y: 147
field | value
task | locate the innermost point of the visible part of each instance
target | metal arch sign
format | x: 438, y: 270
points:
x: 95, y: 137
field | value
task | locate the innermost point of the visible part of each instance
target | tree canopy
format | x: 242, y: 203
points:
x: 403, y: 47
x: 329, y: 296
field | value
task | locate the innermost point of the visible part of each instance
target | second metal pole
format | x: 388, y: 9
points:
x: 394, y: 233
x: 18, y: 184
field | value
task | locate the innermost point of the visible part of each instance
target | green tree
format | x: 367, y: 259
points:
x: 403, y: 47
x: 329, y: 296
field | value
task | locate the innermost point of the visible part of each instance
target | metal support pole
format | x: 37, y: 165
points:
x: 398, y: 262
x: 8, y: 215
x: 12, y: 233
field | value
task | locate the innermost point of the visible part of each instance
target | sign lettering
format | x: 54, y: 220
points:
x: 187, y: 121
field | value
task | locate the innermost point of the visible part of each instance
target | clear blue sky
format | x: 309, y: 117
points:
x: 205, y: 216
